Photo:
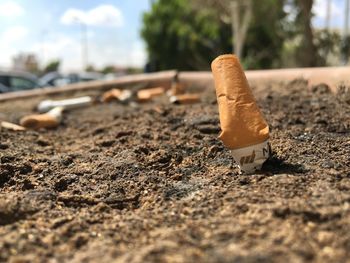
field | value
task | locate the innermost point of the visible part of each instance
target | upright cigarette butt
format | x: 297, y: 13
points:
x: 147, y: 94
x: 242, y: 123
x: 11, y: 126
x: 50, y: 119
x: 185, y: 99
x: 177, y: 88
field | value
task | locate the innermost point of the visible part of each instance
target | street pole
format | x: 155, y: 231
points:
x: 43, y: 47
x: 328, y: 15
x: 84, y: 45
x: 346, y: 22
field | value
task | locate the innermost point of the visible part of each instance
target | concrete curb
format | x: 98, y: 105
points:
x: 162, y: 78
x: 334, y: 77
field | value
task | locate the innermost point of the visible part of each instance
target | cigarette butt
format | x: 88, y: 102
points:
x: 46, y: 105
x: 111, y: 95
x: 148, y: 94
x: 50, y: 119
x: 11, y: 126
x: 176, y: 89
x: 185, y: 99
x: 125, y: 96
x: 244, y: 129
x: 116, y: 94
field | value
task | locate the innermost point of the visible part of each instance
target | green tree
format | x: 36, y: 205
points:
x: 132, y: 70
x: 52, y: 66
x: 108, y: 69
x: 327, y: 45
x: 235, y: 13
x: 306, y: 51
x: 178, y: 36
x: 345, y: 49
x: 90, y: 68
x: 266, y: 34
x: 259, y: 28
x: 189, y: 34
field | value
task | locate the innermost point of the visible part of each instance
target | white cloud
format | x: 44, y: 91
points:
x: 68, y: 50
x: 132, y: 54
x: 56, y: 46
x: 138, y: 55
x: 11, y: 9
x: 13, y: 34
x: 320, y: 9
x: 102, y: 15
x: 9, y: 39
x: 61, y: 47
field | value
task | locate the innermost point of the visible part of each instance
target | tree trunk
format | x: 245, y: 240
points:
x: 308, y: 54
x: 241, y: 14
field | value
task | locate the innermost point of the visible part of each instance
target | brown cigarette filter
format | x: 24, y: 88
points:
x: 50, y: 119
x: 185, y: 99
x: 39, y: 121
x: 147, y: 94
x: 177, y: 89
x: 242, y: 122
x: 110, y: 95
x: 11, y: 126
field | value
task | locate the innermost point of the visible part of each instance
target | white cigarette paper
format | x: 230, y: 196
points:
x: 250, y: 159
x: 67, y: 104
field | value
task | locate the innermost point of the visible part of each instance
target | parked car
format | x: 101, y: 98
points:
x: 58, y: 79
x: 53, y: 79
x: 3, y: 88
x: 85, y: 76
x: 16, y: 81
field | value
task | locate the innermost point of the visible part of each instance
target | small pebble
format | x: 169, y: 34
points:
x: 3, y: 146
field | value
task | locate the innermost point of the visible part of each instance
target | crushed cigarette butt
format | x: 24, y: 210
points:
x: 116, y: 94
x: 11, y: 126
x: 185, y: 99
x: 148, y: 94
x: 111, y: 95
x: 50, y: 119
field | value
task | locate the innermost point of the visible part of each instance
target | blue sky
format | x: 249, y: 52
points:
x: 49, y: 29
x: 337, y: 13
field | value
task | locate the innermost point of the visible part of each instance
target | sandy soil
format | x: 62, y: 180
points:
x: 152, y: 183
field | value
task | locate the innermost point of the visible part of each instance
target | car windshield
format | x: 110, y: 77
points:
x: 3, y: 80
x: 19, y: 83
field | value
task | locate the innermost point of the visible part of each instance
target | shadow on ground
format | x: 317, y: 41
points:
x: 277, y: 165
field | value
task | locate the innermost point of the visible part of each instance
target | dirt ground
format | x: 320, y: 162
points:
x: 152, y: 183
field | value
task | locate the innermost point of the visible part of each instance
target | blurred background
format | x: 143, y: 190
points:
x: 53, y: 43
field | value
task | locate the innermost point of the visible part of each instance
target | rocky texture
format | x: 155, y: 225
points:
x: 152, y: 183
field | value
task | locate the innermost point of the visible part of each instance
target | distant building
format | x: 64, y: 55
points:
x: 25, y: 62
